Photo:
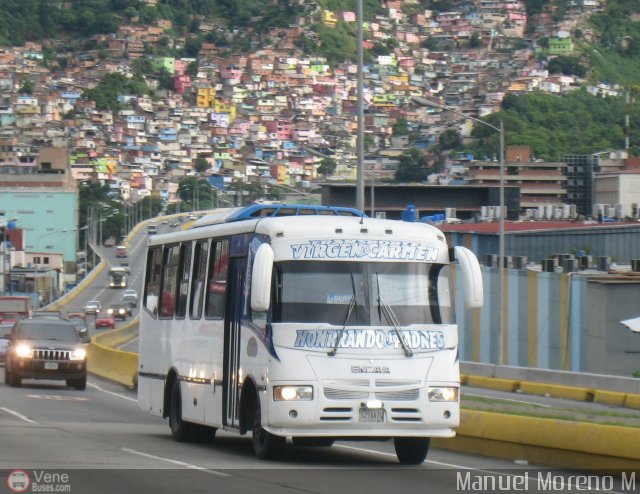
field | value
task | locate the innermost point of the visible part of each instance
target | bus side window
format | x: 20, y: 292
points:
x: 183, y: 276
x: 198, y: 278
x: 169, y: 281
x: 152, y: 284
x: 217, y: 281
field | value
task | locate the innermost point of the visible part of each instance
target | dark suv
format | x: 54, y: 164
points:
x: 43, y: 349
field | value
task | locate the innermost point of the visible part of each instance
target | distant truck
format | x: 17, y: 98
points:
x: 14, y: 307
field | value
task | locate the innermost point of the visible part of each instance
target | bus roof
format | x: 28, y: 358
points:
x: 293, y: 230
x: 256, y: 211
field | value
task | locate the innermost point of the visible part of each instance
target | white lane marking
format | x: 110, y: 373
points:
x: 58, y: 398
x: 509, y: 399
x: 175, y: 462
x: 95, y: 386
x: 19, y: 415
x: 452, y: 465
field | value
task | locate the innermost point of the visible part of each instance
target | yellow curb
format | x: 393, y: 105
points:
x: 605, y: 440
x: 556, y: 390
x: 493, y: 383
x: 610, y: 397
x: 632, y: 401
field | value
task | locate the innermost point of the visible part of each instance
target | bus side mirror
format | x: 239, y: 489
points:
x: 471, y: 277
x: 261, y: 278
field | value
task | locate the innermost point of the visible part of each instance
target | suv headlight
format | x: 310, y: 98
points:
x: 23, y: 351
x: 443, y: 394
x: 78, y: 354
x: 291, y: 393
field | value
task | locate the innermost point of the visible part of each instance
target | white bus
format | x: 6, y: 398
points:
x: 316, y: 328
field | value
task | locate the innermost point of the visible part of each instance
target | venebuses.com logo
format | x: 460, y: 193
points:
x: 38, y: 481
x: 18, y: 481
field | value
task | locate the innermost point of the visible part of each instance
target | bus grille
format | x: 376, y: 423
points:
x: 51, y: 354
x: 343, y: 394
x: 405, y: 395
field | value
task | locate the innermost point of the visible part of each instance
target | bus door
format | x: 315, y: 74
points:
x: 235, y: 301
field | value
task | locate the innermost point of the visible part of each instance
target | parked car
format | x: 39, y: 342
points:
x: 130, y: 296
x: 43, y: 349
x: 92, y: 307
x: 119, y: 311
x: 104, y: 319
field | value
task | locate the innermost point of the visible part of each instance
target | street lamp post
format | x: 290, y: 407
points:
x: 360, y: 111
x: 501, y: 255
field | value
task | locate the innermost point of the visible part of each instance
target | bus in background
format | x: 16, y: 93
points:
x: 335, y: 326
x: 152, y: 229
x: 118, y: 277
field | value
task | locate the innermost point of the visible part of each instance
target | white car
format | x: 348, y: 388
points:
x: 131, y: 297
x: 92, y: 307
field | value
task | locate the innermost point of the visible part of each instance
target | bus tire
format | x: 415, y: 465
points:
x: 265, y: 445
x: 319, y: 442
x: 181, y: 431
x: 411, y: 450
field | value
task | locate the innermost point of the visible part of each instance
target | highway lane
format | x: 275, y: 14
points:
x: 99, y: 290
x: 101, y: 434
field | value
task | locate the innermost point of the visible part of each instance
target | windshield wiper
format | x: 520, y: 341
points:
x: 352, y: 305
x: 392, y: 320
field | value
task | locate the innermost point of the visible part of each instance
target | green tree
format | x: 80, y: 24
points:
x: 450, y: 139
x: 201, y: 165
x: 401, y: 127
x: 327, y: 167
x: 413, y: 166
x: 27, y: 87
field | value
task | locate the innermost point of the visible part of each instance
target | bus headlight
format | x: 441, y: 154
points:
x: 291, y: 393
x: 78, y: 354
x: 23, y: 351
x: 443, y: 394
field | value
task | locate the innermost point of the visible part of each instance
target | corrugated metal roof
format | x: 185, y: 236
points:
x: 533, y: 226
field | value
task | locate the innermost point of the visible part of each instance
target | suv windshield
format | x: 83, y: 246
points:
x: 36, y: 331
x: 321, y: 292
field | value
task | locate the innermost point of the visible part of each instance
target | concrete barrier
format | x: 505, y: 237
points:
x: 105, y: 360
x: 559, y: 443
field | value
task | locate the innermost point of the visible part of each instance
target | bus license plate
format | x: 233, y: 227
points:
x: 372, y: 415
x: 51, y: 365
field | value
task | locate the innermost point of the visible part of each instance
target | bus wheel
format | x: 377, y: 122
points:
x: 320, y: 442
x: 411, y: 450
x: 265, y: 445
x: 180, y: 430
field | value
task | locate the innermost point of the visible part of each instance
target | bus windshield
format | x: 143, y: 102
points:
x: 322, y: 292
